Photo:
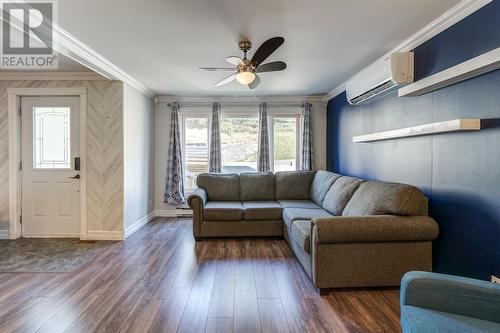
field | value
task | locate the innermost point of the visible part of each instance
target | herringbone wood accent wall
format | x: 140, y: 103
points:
x: 104, y: 151
x: 104, y: 155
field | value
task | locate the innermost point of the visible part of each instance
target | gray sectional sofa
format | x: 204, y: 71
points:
x: 345, y: 231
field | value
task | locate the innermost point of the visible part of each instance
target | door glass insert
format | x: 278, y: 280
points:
x: 51, y: 138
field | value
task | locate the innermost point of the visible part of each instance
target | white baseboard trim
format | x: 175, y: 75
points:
x: 112, y: 235
x: 105, y: 235
x: 25, y: 235
x: 138, y: 224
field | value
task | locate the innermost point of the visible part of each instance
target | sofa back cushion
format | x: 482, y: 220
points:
x: 322, y: 182
x: 380, y: 198
x: 220, y: 187
x: 340, y: 193
x: 294, y: 185
x: 257, y: 186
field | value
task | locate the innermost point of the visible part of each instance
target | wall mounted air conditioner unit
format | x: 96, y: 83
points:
x: 381, y: 77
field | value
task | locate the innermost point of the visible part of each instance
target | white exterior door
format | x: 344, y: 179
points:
x: 50, y: 166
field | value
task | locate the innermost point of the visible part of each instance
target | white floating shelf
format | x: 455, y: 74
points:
x: 482, y: 64
x: 434, y: 128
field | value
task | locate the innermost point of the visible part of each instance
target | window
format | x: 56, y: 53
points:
x: 284, y: 142
x: 195, y: 133
x: 239, y: 140
x: 51, y: 136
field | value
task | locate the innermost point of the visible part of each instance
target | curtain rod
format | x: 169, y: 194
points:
x: 233, y: 104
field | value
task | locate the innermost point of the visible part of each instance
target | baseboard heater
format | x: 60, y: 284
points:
x: 183, y: 212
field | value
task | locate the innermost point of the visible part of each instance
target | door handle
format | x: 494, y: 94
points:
x: 75, y: 177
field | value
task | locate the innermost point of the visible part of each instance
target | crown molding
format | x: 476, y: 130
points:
x: 443, y: 22
x: 240, y: 100
x: 335, y: 92
x: 50, y: 76
x: 70, y: 46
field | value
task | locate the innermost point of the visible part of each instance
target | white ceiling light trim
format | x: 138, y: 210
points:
x: 443, y: 22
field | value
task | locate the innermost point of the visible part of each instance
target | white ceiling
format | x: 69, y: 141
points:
x: 161, y: 43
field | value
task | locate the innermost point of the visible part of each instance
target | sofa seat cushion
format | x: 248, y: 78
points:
x: 298, y: 204
x: 262, y: 210
x: 301, y: 232
x: 293, y: 214
x: 419, y: 320
x: 223, y: 211
x: 257, y: 186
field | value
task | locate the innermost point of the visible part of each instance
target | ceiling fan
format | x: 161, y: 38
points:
x: 246, y: 70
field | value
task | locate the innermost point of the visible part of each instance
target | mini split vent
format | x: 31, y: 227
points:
x: 380, y: 78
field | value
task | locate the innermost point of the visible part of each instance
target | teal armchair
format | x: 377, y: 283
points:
x: 441, y: 303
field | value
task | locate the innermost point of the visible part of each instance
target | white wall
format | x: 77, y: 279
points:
x: 138, y: 132
x: 162, y: 127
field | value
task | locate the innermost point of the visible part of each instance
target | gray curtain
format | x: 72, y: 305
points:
x: 215, y: 161
x: 263, y: 146
x: 307, y: 156
x: 174, y: 190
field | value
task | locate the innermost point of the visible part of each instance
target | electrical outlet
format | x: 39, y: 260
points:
x: 495, y: 279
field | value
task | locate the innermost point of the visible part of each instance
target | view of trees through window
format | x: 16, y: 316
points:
x: 196, y: 149
x: 239, y: 139
x: 285, y: 143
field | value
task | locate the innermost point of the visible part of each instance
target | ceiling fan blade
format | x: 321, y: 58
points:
x: 225, y: 80
x: 234, y: 60
x: 266, y: 49
x: 255, y: 82
x: 271, y: 67
x: 215, y: 69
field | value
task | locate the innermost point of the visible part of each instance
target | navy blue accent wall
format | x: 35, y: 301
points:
x: 459, y: 172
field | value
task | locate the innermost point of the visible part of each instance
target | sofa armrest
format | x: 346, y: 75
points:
x: 196, y: 202
x: 373, y: 228
x: 198, y: 194
x: 452, y: 294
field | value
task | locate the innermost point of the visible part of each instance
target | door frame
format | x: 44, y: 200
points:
x: 14, y: 96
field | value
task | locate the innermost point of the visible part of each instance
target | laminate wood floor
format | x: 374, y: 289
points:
x: 160, y: 280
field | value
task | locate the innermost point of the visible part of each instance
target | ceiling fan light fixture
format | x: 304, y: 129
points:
x: 245, y: 77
